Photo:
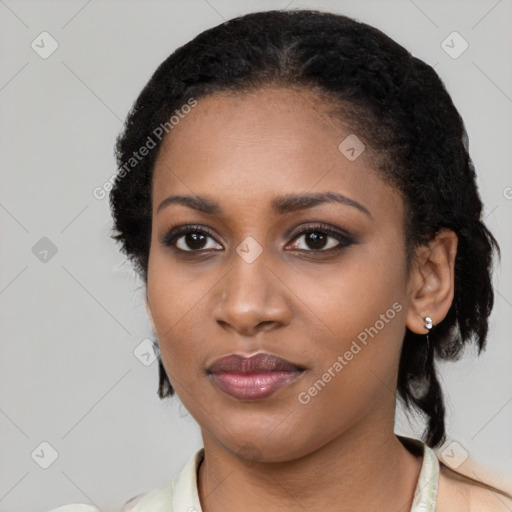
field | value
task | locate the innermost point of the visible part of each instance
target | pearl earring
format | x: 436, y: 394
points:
x: 428, y: 326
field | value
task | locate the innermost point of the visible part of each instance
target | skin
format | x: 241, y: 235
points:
x: 339, y: 450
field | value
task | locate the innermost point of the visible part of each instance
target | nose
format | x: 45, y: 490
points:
x: 254, y: 298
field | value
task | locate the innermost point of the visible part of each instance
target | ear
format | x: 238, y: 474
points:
x: 431, y: 282
x: 150, y: 314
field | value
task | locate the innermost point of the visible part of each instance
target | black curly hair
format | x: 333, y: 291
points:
x: 403, y: 113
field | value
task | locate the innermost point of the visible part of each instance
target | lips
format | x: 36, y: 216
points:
x: 252, y: 378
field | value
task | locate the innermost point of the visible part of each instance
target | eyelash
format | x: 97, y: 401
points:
x: 344, y: 240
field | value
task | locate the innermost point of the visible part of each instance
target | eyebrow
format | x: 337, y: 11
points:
x: 281, y: 204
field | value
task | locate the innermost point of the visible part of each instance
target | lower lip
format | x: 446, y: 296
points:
x: 253, y: 386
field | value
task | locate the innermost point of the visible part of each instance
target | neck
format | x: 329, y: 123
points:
x: 359, y: 470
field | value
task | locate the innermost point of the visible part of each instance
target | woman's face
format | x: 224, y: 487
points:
x: 331, y: 301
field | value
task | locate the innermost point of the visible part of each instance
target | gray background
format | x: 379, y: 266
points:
x: 71, y: 321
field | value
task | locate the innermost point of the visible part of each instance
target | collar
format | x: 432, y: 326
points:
x: 425, y: 494
x: 181, y: 494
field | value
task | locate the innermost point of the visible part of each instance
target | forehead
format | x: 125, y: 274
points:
x: 274, y: 118
x: 253, y: 146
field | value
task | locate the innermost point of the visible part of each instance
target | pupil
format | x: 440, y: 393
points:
x: 317, y: 241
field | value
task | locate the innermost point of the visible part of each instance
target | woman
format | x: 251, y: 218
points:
x: 296, y: 192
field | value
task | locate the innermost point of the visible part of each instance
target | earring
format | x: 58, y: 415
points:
x: 420, y: 381
x: 428, y: 326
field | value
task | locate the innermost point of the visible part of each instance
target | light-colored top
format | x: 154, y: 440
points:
x: 436, y: 491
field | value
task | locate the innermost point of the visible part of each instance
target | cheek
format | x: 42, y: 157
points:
x: 354, y: 294
x: 175, y: 303
x: 363, y: 306
x: 173, y: 293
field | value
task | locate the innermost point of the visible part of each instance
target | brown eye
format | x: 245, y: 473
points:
x: 320, y: 239
x: 190, y: 239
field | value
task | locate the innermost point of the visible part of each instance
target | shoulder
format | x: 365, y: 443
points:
x: 129, y: 506
x: 132, y: 505
x: 173, y: 494
x: 460, y: 492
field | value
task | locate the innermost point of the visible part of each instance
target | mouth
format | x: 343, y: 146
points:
x: 252, y: 378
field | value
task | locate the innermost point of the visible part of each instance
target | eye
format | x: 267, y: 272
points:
x: 320, y: 238
x: 317, y: 238
x: 190, y: 239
